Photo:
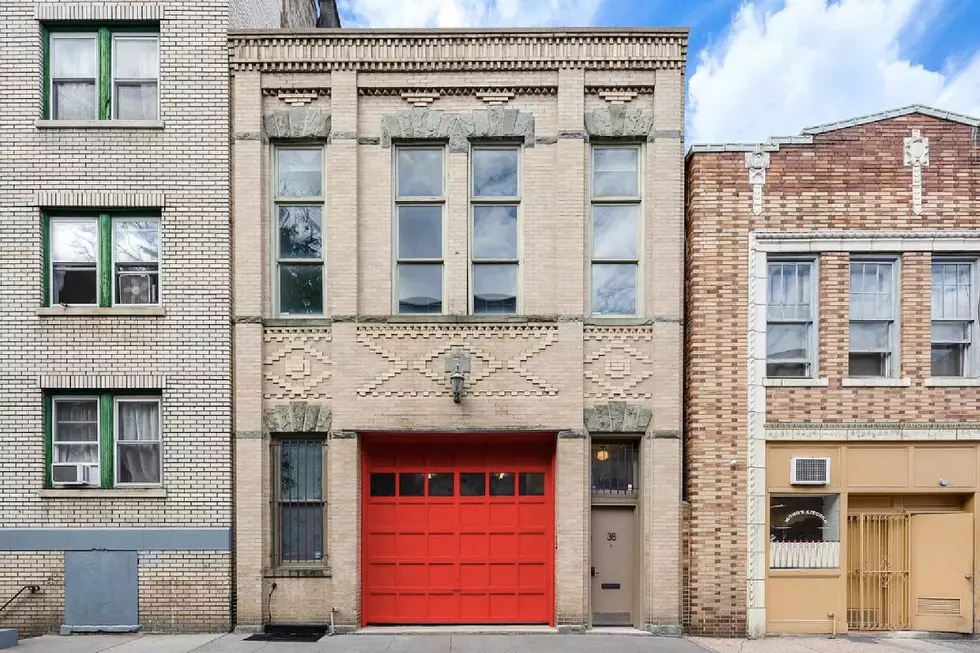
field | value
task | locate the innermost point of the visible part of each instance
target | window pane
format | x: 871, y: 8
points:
x: 614, y: 288
x: 138, y: 463
x: 382, y: 485
x: 300, y: 232
x: 76, y: 453
x: 134, y: 58
x: 301, y: 470
x: 531, y: 484
x: 135, y: 241
x: 74, y: 101
x: 501, y: 484
x: 136, y: 101
x: 420, y: 288
x: 947, y: 360
x: 867, y: 365
x: 495, y: 232
x: 786, y: 341
x: 804, y: 532
x: 950, y: 332
x: 871, y: 291
x: 789, y: 291
x: 869, y: 336
x: 440, y: 485
x: 495, y: 288
x: 614, y: 468
x: 74, y: 284
x: 73, y: 57
x: 419, y: 232
x: 302, y: 532
x: 76, y: 421
x: 419, y: 173
x: 472, y: 485
x: 782, y: 370
x: 137, y: 284
x: 138, y: 420
x: 614, y: 232
x: 614, y: 172
x: 301, y: 289
x: 495, y: 172
x: 300, y: 172
x: 74, y: 241
x: 411, y: 485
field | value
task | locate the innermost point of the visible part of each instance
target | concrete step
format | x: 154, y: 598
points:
x: 8, y: 638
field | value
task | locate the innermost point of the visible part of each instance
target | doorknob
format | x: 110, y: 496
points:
x: 593, y: 571
x: 969, y: 576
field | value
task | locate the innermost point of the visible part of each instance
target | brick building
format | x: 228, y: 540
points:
x: 115, y: 352
x: 495, y: 215
x: 831, y: 378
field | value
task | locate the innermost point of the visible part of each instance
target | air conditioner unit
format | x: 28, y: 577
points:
x: 74, y: 474
x: 809, y: 471
x: 136, y: 289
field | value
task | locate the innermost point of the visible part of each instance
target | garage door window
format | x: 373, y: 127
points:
x: 532, y: 484
x: 501, y: 484
x: 472, y: 485
x: 441, y: 485
x: 411, y: 485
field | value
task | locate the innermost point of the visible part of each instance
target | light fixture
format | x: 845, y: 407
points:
x: 602, y: 454
x: 457, y: 364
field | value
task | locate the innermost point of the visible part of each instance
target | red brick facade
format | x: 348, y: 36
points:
x: 852, y: 178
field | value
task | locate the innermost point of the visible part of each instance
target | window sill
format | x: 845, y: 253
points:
x: 97, y: 493
x: 98, y: 124
x: 873, y: 382
x: 951, y: 382
x: 97, y: 311
x: 298, y: 572
x: 821, y: 382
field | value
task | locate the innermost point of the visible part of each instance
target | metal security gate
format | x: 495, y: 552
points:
x: 878, y: 572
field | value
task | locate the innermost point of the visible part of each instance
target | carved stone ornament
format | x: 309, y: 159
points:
x: 298, y: 417
x: 458, y: 128
x: 620, y: 121
x: 298, y: 122
x: 618, y: 417
x: 757, y: 162
x: 916, y: 156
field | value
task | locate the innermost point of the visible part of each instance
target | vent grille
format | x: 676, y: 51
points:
x: 938, y: 607
x: 809, y: 471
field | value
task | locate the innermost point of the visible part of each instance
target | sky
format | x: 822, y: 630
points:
x: 761, y: 68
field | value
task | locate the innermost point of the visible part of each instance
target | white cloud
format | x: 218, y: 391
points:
x: 817, y: 61
x: 468, y: 13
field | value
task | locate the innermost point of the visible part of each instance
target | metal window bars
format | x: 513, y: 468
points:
x: 298, y: 491
x: 614, y: 469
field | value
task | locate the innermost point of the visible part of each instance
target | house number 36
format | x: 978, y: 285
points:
x: 611, y: 537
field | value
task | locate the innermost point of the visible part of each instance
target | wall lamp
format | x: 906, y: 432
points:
x: 457, y: 364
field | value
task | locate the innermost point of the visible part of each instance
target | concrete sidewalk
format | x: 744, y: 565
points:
x: 455, y: 643
x: 857, y: 644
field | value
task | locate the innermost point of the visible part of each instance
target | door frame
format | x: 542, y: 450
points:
x: 633, y: 504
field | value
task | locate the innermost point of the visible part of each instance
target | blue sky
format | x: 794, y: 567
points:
x: 758, y: 68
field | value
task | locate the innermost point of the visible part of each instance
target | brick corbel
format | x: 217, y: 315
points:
x: 618, y: 417
x: 297, y: 123
x: 620, y: 121
x: 458, y: 128
x: 298, y: 417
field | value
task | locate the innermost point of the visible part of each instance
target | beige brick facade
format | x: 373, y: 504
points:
x: 833, y: 193
x: 358, y: 370
x: 176, y: 167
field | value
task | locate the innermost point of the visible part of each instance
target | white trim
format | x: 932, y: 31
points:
x: 98, y: 124
x: 821, y: 382
x: 113, y: 80
x: 96, y: 493
x: 951, y: 382
x: 98, y: 11
x: 54, y: 36
x: 893, y: 362
x: 101, y: 199
x: 112, y: 258
x: 52, y: 220
x: 813, y: 324
x: 119, y: 399
x: 872, y: 432
x: 971, y: 364
x: 875, y: 382
x: 757, y: 539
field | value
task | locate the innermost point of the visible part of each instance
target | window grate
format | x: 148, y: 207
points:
x: 298, y: 530
x: 614, y: 469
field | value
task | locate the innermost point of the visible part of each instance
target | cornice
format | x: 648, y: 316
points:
x: 456, y: 50
x: 456, y: 90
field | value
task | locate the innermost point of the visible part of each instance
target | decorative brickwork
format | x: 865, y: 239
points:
x: 297, y: 364
x: 618, y: 362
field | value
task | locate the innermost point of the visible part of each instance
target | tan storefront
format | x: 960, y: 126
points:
x: 888, y: 543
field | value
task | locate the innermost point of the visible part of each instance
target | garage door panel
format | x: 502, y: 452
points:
x: 531, y: 546
x: 384, y: 545
x: 444, y: 607
x: 474, y: 546
x: 503, y: 576
x: 534, y: 605
x: 411, y: 546
x: 474, y: 607
x: 411, y: 517
x: 473, y: 516
x: 384, y: 517
x: 503, y: 606
x: 474, y: 576
x: 533, y: 515
x: 503, y: 515
x: 532, y: 577
x: 443, y: 516
x: 503, y: 545
x: 411, y: 576
x: 442, y: 546
x: 442, y: 577
x: 383, y: 576
x: 412, y: 607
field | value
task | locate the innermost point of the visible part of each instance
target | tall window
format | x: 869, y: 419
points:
x: 103, y: 260
x: 790, y: 334
x: 954, y: 314
x: 102, y: 73
x: 419, y: 204
x: 874, y: 309
x: 299, y: 235
x: 615, y: 229
x: 75, y: 440
x: 495, y: 244
x: 298, y: 501
x: 137, y: 441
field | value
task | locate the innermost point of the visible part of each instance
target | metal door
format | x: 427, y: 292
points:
x: 942, y: 572
x: 878, y: 572
x: 612, y: 566
x: 101, y: 589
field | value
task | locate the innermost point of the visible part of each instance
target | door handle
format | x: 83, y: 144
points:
x: 593, y: 571
x: 969, y: 576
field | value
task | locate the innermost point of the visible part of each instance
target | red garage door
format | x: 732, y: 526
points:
x: 458, y: 530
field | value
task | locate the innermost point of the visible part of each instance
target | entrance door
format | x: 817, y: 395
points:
x: 612, y: 566
x: 942, y: 572
x: 458, y: 529
x: 101, y: 590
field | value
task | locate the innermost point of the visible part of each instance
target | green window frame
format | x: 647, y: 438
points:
x: 112, y: 436
x: 118, y: 254
x: 107, y: 85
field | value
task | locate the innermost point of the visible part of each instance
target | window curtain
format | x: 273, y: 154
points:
x: 139, y: 442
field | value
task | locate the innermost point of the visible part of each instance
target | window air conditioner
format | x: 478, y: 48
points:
x: 809, y: 471
x: 74, y: 474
